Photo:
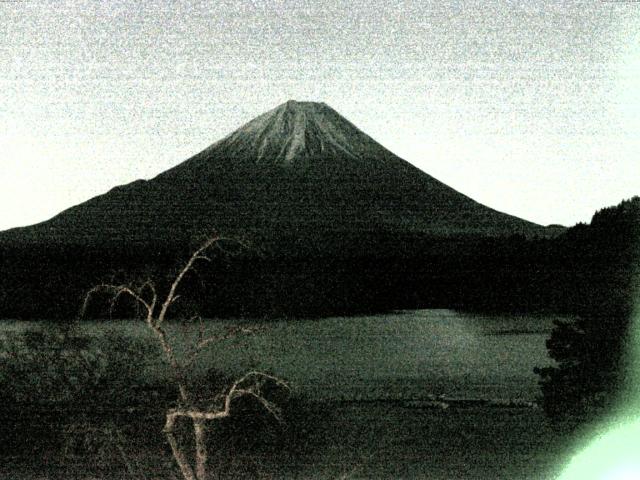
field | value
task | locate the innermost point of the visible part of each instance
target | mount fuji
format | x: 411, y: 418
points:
x: 300, y: 170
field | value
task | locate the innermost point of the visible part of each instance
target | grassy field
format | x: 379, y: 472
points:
x: 366, y: 385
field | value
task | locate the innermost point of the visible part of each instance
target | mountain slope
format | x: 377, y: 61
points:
x: 300, y: 169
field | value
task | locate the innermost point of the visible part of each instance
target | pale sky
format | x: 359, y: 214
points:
x: 530, y: 107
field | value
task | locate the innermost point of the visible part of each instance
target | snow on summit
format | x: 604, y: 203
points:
x: 295, y: 133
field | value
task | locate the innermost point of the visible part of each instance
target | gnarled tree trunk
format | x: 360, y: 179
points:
x: 249, y: 385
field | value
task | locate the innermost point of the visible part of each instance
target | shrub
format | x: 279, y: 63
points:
x: 54, y: 376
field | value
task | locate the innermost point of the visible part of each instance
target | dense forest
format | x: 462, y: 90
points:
x: 378, y: 273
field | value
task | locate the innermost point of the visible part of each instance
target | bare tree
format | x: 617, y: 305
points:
x: 155, y: 312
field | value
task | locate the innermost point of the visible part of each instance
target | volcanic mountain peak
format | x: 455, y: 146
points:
x: 301, y: 168
x: 295, y: 133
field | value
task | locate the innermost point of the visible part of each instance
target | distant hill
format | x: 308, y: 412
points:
x: 300, y: 170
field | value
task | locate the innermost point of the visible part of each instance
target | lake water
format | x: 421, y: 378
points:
x: 409, y: 355
x: 404, y: 355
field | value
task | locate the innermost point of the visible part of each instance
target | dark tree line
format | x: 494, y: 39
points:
x: 592, y: 351
x: 338, y: 275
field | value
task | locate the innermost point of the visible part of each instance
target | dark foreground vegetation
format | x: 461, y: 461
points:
x: 75, y: 405
x: 594, y: 351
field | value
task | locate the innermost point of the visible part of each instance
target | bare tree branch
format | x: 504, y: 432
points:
x: 172, y: 291
x: 117, y: 291
x: 154, y: 299
x: 254, y: 390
